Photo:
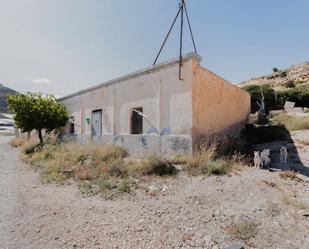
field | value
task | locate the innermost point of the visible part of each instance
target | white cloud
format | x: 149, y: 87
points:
x: 41, y: 81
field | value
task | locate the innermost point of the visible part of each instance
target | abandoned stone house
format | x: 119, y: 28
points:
x: 152, y: 110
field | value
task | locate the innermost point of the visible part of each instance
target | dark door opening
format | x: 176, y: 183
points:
x: 137, y: 121
x: 72, y: 128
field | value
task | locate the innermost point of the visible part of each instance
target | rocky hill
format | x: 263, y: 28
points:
x: 293, y: 76
x: 3, y: 92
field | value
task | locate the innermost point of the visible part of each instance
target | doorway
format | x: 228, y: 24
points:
x: 96, y: 125
x: 137, y: 120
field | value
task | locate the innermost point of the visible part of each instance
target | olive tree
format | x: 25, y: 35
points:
x: 33, y: 111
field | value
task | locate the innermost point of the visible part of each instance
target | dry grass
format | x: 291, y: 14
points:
x: 273, y: 209
x: 179, y: 159
x: 18, y: 142
x: 99, y: 168
x: 270, y: 184
x: 22, y: 141
x: 289, y: 200
x: 153, y: 165
x: 288, y: 175
x: 292, y: 123
x: 106, y: 168
x: 198, y: 163
x: 303, y: 142
x: 243, y: 230
x: 206, y: 161
x: 292, y: 175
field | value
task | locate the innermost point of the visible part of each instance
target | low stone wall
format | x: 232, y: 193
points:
x: 143, y: 145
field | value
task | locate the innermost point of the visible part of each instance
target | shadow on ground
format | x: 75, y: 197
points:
x: 273, y: 137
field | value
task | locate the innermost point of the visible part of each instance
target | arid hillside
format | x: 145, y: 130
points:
x: 3, y: 92
x: 293, y: 76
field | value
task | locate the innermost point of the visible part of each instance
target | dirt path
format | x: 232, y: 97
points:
x: 192, y: 213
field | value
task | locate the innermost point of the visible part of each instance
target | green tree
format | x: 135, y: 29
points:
x: 256, y: 96
x: 275, y: 70
x: 37, y: 112
x: 299, y: 95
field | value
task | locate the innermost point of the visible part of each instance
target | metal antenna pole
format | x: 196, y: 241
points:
x: 181, y: 35
x: 182, y: 9
x: 168, y: 34
x: 189, y: 24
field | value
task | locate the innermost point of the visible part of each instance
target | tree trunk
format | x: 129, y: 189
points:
x: 40, y: 136
x: 28, y: 135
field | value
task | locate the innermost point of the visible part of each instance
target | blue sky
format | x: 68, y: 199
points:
x: 60, y: 46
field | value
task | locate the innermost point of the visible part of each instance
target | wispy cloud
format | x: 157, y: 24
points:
x: 41, y: 81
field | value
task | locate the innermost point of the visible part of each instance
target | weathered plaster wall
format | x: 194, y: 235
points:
x: 218, y: 106
x: 140, y: 146
x: 165, y: 99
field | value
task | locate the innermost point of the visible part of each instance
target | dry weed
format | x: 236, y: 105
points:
x: 18, y: 142
x: 243, y: 230
x: 303, y: 142
x: 273, y: 209
x: 292, y: 175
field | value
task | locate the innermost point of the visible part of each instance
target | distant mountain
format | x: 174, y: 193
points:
x: 3, y: 92
x: 293, y: 76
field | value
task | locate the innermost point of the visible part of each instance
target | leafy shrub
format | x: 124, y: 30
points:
x: 256, y: 96
x: 299, y: 95
x: 273, y: 100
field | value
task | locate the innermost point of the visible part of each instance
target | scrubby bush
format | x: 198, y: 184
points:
x: 18, y: 142
x: 273, y: 100
x: 290, y: 84
x: 53, y: 174
x: 299, y: 95
x: 153, y: 165
x: 218, y: 167
x: 179, y: 159
x: 159, y: 166
x: 116, y: 167
x: 207, y: 161
x: 292, y: 123
x: 108, y: 152
x: 256, y: 96
x: 32, y: 148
